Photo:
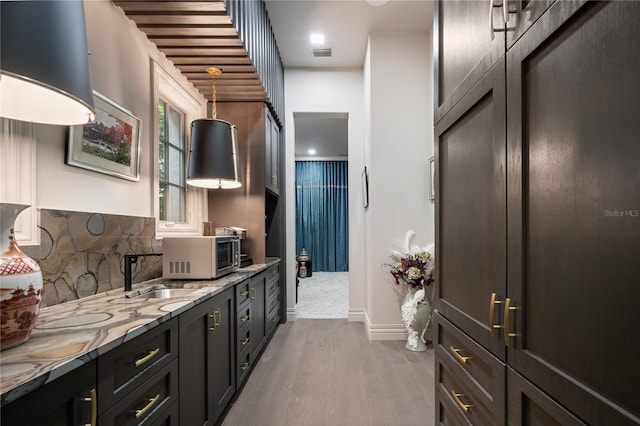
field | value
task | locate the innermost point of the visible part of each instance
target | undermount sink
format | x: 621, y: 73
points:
x: 161, y: 293
x: 154, y: 292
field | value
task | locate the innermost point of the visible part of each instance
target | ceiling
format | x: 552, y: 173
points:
x: 346, y: 25
x: 197, y: 34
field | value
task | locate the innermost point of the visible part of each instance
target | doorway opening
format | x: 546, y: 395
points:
x: 322, y: 214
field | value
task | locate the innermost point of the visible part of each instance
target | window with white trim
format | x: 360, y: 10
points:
x: 179, y: 209
x: 172, y: 189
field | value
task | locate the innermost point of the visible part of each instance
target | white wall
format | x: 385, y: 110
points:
x: 389, y: 103
x: 320, y: 92
x: 399, y: 142
x: 121, y: 68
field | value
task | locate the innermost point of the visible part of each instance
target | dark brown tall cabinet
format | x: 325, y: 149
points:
x: 538, y: 213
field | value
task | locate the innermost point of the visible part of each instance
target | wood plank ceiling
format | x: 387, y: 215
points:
x: 195, y: 35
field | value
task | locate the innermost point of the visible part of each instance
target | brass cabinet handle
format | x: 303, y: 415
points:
x: 244, y: 341
x: 147, y: 358
x: 492, y: 306
x: 93, y: 399
x: 508, y: 308
x: 456, y: 353
x: 253, y: 289
x: 273, y: 319
x: 217, y: 316
x: 244, y: 318
x: 464, y: 407
x: 143, y: 410
x: 244, y: 366
x: 244, y: 293
x: 212, y: 315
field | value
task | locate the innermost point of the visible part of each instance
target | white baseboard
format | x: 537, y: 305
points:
x: 385, y: 331
x: 291, y: 314
x: 356, y: 315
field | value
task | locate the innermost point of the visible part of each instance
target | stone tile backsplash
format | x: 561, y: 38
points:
x: 80, y: 254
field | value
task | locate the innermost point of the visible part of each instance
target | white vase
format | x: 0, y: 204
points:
x: 20, y: 283
x: 416, y: 315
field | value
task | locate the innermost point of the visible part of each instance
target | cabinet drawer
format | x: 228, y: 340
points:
x: 273, y: 272
x: 125, y: 368
x: 272, y: 321
x: 244, y: 317
x: 243, y: 366
x: 148, y: 403
x: 273, y: 303
x: 243, y: 293
x: 273, y: 287
x: 466, y: 358
x: 244, y: 339
x: 460, y: 392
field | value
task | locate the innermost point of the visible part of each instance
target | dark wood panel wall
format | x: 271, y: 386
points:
x: 251, y: 19
x: 245, y: 206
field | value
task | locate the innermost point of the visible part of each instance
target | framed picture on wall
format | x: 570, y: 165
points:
x: 432, y: 178
x: 110, y: 145
x: 365, y: 187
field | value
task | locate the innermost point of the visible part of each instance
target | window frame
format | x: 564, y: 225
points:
x: 169, y: 89
x: 169, y: 146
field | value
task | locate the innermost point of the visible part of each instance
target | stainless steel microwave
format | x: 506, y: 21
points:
x: 200, y: 257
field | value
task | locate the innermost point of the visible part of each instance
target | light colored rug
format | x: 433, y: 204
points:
x: 323, y: 295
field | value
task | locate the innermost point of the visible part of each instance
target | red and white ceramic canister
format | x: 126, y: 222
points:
x: 20, y: 283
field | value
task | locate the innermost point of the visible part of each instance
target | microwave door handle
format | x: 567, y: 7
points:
x: 236, y: 251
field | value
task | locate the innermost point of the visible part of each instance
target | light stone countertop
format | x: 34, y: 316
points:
x: 70, y: 334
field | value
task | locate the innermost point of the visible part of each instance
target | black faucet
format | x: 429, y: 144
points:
x: 130, y: 259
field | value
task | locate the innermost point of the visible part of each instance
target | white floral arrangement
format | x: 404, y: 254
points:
x: 412, y: 266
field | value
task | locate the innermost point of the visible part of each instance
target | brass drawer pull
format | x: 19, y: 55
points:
x: 216, y: 321
x: 244, y: 318
x: 244, y: 366
x: 244, y: 293
x: 456, y: 353
x: 244, y: 341
x: 273, y: 319
x: 93, y: 399
x: 143, y: 410
x: 464, y: 407
x: 253, y: 289
x: 508, y: 308
x: 492, y: 305
x: 147, y: 358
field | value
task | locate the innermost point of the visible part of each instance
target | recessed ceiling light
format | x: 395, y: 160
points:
x: 317, y: 39
x: 312, y: 151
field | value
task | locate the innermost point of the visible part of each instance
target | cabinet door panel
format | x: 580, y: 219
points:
x: 463, y: 48
x: 196, y: 355
x: 524, y: 13
x: 223, y: 341
x: 470, y: 209
x: 65, y: 401
x: 574, y: 207
x: 528, y: 406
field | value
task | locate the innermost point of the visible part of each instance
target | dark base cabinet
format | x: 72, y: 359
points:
x: 138, y: 381
x: 185, y: 371
x: 68, y: 401
x: 207, y: 359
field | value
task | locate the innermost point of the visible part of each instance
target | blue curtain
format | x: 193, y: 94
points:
x: 322, y: 213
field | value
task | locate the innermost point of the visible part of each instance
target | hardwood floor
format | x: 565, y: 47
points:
x: 326, y: 372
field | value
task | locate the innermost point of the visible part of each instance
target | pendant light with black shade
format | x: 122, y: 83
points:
x: 214, y: 160
x: 44, y: 62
